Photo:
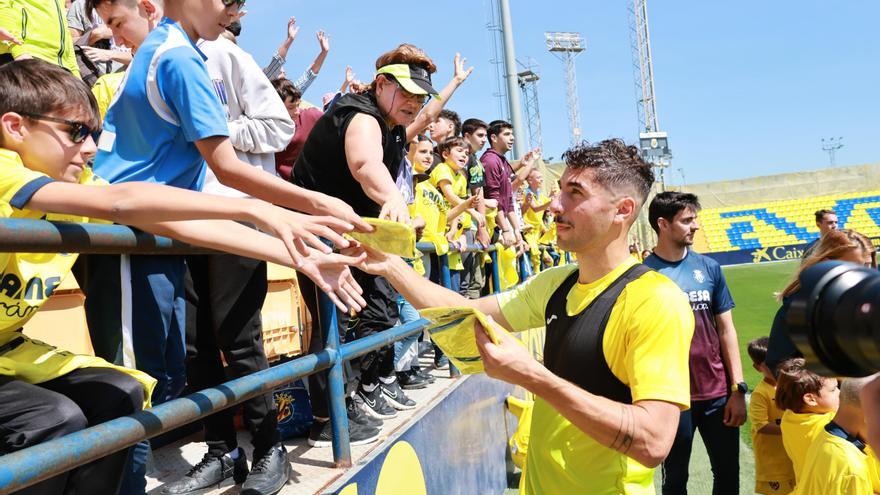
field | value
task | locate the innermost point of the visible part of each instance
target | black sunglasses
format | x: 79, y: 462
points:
x: 78, y: 130
x: 230, y: 3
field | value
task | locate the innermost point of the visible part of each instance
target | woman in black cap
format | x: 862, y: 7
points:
x: 354, y: 153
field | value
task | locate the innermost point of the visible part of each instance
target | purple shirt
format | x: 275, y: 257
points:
x: 498, y: 185
x: 701, y: 279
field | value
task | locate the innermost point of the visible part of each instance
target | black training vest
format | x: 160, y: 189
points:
x: 322, y: 165
x: 573, y: 345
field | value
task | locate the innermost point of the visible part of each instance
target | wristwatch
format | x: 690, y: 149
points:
x: 741, y: 387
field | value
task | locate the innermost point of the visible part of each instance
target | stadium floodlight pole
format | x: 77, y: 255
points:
x: 512, y: 83
x: 831, y: 146
x: 566, y: 47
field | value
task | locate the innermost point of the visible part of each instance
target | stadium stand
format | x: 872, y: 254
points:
x: 785, y: 222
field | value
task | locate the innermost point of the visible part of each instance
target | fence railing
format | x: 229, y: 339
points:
x: 26, y: 467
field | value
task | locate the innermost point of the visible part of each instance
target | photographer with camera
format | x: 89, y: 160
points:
x: 843, y: 245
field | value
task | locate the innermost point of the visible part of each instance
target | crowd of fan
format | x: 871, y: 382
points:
x: 169, y: 97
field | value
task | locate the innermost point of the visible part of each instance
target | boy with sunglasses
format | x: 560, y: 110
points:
x: 47, y: 117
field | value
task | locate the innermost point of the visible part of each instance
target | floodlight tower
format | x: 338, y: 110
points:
x: 566, y: 47
x: 528, y: 82
x: 831, y: 146
x: 653, y: 142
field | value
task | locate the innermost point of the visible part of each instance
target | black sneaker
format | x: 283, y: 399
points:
x: 374, y: 404
x: 395, y: 396
x: 356, y: 414
x: 209, y: 473
x: 269, y: 473
x: 427, y: 376
x: 321, y: 434
x: 409, y: 380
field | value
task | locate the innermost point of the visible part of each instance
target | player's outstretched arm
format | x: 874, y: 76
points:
x: 419, y: 291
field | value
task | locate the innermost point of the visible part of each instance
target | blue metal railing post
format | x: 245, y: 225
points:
x: 336, y: 384
x: 567, y: 258
x: 496, y: 275
x: 446, y: 280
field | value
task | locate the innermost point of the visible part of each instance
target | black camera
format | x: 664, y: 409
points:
x: 834, y: 320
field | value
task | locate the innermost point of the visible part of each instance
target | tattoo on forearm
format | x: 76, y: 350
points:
x: 623, y: 440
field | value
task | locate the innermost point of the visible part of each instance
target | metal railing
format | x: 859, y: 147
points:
x: 25, y: 467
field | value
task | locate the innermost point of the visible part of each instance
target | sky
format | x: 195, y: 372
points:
x: 743, y: 88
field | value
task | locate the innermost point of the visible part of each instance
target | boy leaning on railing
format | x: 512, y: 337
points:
x: 47, y: 118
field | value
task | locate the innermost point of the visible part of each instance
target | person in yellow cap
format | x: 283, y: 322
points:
x: 615, y: 372
x: 354, y: 153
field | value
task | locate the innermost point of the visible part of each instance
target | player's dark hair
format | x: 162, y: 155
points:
x: 614, y: 164
x: 667, y: 204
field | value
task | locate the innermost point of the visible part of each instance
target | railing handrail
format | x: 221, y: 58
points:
x: 31, y: 465
x: 27, y: 235
x: 28, y: 466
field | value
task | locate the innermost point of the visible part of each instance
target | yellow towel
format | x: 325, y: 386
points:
x: 452, y: 329
x: 389, y: 237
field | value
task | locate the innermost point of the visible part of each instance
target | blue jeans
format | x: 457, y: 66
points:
x: 406, y: 350
x: 722, y: 445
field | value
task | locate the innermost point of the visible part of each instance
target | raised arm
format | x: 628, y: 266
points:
x: 324, y: 44
x: 432, y: 110
x: 277, y: 63
x: 364, y: 154
x: 421, y: 292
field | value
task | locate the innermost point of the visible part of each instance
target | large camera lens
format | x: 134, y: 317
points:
x: 834, y: 319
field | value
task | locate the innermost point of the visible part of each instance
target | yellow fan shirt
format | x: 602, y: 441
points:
x: 646, y: 345
x: 771, y: 461
x: 28, y: 279
x: 798, y: 432
x: 430, y: 205
x: 834, y: 466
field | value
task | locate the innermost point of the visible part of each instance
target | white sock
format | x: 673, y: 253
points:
x: 387, y: 380
x: 369, y: 388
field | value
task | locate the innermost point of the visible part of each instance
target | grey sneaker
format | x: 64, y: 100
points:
x: 269, y: 473
x: 395, y: 396
x: 209, y: 473
x: 374, y: 404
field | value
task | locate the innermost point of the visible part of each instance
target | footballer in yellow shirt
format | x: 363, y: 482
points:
x: 646, y: 345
